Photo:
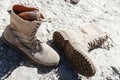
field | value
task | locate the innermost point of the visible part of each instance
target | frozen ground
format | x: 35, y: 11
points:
x: 13, y: 66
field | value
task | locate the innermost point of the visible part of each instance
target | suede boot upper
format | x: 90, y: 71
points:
x: 21, y: 34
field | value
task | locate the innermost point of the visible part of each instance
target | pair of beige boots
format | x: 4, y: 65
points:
x: 20, y: 34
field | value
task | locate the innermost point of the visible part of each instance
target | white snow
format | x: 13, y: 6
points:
x: 65, y: 15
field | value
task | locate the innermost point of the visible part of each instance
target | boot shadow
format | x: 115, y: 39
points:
x: 10, y: 59
x: 64, y: 70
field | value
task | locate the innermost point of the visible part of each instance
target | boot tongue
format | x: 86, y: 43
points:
x: 31, y: 15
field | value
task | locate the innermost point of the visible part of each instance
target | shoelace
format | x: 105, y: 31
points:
x: 99, y: 41
x: 33, y: 40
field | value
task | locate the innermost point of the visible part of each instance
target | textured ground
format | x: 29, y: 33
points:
x: 14, y: 66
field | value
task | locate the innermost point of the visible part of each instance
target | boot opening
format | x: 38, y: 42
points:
x: 28, y: 13
x: 19, y: 8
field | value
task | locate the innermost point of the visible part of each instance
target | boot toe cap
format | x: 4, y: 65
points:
x: 51, y: 59
x: 47, y: 56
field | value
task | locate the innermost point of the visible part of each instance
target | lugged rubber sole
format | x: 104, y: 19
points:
x: 78, y: 61
x: 22, y: 52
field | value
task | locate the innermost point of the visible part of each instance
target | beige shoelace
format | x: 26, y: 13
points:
x: 33, y: 40
x: 100, y: 40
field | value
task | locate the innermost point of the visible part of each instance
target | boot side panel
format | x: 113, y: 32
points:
x: 8, y: 36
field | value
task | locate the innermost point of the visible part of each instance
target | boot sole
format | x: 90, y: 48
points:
x: 79, y: 62
x: 24, y: 54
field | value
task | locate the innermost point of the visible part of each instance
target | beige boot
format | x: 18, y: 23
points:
x: 93, y: 36
x: 20, y: 34
x: 71, y: 43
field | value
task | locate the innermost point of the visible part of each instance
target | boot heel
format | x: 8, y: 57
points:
x: 59, y: 40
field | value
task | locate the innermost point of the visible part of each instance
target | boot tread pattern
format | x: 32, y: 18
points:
x: 79, y: 62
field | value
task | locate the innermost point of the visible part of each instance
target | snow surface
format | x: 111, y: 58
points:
x: 13, y: 66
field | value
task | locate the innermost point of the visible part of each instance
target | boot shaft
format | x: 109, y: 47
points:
x: 20, y: 24
x: 91, y: 30
x: 93, y: 36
